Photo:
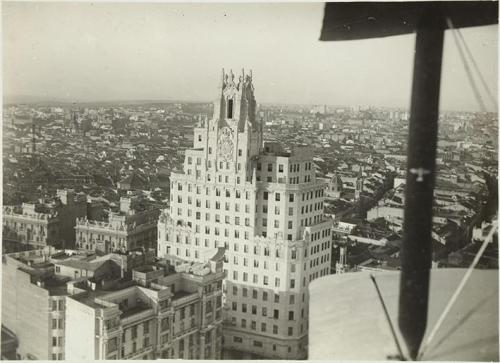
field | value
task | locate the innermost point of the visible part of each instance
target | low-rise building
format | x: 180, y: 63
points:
x: 45, y: 222
x: 133, y: 226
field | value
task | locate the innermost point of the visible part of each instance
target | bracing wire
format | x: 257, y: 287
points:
x: 466, y: 66
x: 478, y: 71
x: 388, y: 317
x: 459, y: 289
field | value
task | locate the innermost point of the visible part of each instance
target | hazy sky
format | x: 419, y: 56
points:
x: 105, y: 51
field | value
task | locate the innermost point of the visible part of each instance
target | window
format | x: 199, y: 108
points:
x: 276, y: 314
x: 244, y: 308
x: 264, y: 294
x: 291, y: 197
x: 254, y: 310
x: 275, y: 331
x: 290, y: 331
x: 266, y: 195
x: 276, y: 298
x: 245, y: 292
x: 277, y: 282
x: 230, y: 109
x: 280, y: 168
x: 277, y: 197
x: 254, y: 294
x: 263, y: 327
x: 253, y: 325
x: 257, y: 343
x: 243, y: 323
x: 237, y: 339
x: 290, y: 315
x: 269, y: 167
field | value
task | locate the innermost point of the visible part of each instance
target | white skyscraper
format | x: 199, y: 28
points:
x: 264, y: 204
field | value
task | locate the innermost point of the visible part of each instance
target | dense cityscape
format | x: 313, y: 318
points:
x: 107, y: 211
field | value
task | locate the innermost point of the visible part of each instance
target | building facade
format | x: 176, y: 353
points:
x: 67, y: 305
x: 34, y: 304
x: 262, y: 203
x: 127, y: 229
x: 46, y: 222
x: 164, y: 314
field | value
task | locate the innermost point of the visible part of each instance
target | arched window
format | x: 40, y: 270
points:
x: 230, y: 109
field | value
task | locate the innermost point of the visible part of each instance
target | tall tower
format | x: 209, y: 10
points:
x: 265, y: 206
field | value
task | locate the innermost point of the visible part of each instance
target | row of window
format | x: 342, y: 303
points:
x: 257, y: 343
x: 227, y: 219
x: 57, y: 305
x: 198, y: 159
x: 256, y: 250
x: 276, y: 312
x: 265, y: 279
x: 311, y: 220
x: 253, y: 326
x: 199, y: 189
x: 58, y: 323
x: 133, y: 330
x: 319, y: 260
x: 323, y: 272
x: 292, y: 168
x: 57, y: 342
x: 255, y: 295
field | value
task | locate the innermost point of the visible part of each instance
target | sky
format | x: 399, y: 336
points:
x: 86, y: 51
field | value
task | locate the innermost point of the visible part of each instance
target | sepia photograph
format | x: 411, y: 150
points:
x: 250, y: 181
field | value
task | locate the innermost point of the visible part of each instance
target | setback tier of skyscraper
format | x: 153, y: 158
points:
x: 263, y: 203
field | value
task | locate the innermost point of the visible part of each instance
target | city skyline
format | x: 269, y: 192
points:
x: 175, y: 52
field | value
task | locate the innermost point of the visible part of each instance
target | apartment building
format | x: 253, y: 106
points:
x: 263, y: 204
x: 164, y: 314
x: 134, y: 225
x: 48, y: 222
x: 69, y: 305
x: 33, y: 304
